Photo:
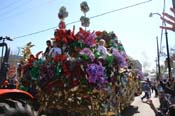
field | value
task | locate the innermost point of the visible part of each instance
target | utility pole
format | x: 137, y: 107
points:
x: 168, y: 54
x: 158, y: 59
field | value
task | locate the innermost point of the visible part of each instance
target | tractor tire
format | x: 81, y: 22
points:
x: 14, y: 107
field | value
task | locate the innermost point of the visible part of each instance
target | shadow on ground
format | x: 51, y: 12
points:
x: 130, y: 111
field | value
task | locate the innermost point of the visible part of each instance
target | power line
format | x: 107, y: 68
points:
x: 24, y: 11
x: 121, y: 8
x: 7, y: 6
x: 34, y: 33
x: 115, y: 10
x: 14, y: 8
x: 44, y: 30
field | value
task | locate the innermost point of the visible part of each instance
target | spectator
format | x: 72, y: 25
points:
x: 154, y: 87
x: 167, y: 89
x: 164, y: 102
x: 156, y: 111
x: 169, y: 19
x: 147, y: 90
x: 170, y: 112
x: 165, y: 96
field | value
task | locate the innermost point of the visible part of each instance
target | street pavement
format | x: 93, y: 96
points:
x: 138, y: 108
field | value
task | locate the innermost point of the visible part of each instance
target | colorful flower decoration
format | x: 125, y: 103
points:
x: 84, y: 7
x: 85, y: 21
x: 80, y: 72
x: 96, y: 74
x: 139, y: 74
x: 119, y: 58
x: 62, y: 15
x: 88, y: 53
x: 79, y: 79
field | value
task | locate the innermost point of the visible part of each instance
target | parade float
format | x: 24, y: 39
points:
x: 90, y: 76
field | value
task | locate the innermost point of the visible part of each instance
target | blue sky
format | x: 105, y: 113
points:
x: 133, y: 26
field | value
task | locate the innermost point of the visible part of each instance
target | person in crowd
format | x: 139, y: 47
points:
x: 156, y: 111
x: 170, y: 112
x: 166, y: 108
x: 165, y: 102
x: 167, y: 89
x: 147, y: 90
x: 55, y: 50
x: 169, y: 19
x: 154, y: 87
x: 49, y: 46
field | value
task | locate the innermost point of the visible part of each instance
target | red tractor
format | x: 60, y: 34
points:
x: 13, y: 102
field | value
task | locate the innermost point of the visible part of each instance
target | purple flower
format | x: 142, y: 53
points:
x: 121, y: 58
x: 91, y: 42
x: 96, y: 74
x: 88, y: 52
x: 50, y: 71
x: 139, y: 73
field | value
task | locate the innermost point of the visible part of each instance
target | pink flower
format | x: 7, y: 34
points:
x: 88, y: 52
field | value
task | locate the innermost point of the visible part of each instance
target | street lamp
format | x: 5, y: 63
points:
x: 151, y: 14
x: 167, y: 45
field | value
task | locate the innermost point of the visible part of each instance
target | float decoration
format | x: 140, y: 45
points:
x: 81, y: 79
x: 62, y: 15
x: 26, y: 52
x: 85, y: 21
